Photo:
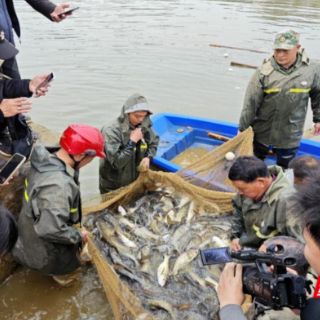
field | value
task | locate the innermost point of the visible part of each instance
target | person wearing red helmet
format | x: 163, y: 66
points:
x: 47, y: 241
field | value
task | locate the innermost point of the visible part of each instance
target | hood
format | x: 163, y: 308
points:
x: 43, y: 161
x: 279, y: 185
x: 135, y: 102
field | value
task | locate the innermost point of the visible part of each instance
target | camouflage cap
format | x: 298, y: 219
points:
x: 286, y: 40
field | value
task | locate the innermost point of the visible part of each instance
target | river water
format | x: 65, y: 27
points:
x: 110, y: 49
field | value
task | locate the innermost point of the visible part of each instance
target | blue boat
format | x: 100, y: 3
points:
x: 180, y: 132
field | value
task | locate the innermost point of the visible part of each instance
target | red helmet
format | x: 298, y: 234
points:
x: 81, y: 138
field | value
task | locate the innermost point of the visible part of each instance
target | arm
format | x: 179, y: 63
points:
x: 49, y: 9
x: 52, y: 207
x: 315, y: 100
x: 14, y: 89
x: 252, y: 101
x: 45, y: 7
x: 117, y: 154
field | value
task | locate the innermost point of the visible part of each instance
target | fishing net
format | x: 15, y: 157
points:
x: 205, y: 182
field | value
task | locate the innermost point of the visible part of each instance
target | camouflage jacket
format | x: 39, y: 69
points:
x: 119, y: 168
x: 255, y: 222
x: 47, y: 241
x: 276, y: 102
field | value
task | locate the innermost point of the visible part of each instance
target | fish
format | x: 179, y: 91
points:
x: 180, y: 232
x: 218, y: 243
x: 144, y: 253
x: 127, y: 242
x: 183, y: 260
x: 162, y: 305
x: 144, y: 233
x: 191, y: 212
x: 195, y: 277
x: 163, y: 271
x: 122, y: 211
x: 109, y: 236
x: 183, y: 202
x: 212, y: 282
x: 193, y: 243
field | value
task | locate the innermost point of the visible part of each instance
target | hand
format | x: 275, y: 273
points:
x: 3, y: 179
x: 12, y: 107
x: 136, y: 135
x: 230, y: 285
x: 316, y: 129
x: 84, y: 235
x: 35, y: 82
x: 60, y: 9
x: 235, y: 246
x: 144, y: 165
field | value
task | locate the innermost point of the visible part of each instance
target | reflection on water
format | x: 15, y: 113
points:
x: 110, y: 49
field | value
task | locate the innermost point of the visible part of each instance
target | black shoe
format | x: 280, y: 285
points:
x: 5, y: 145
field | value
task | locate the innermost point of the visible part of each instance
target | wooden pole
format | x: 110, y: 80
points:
x: 235, y: 48
x: 223, y: 138
x: 218, y: 136
x: 242, y: 65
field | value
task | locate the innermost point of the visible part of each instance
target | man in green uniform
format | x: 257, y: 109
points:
x: 261, y: 204
x: 277, y: 96
x: 47, y: 241
x: 130, y: 143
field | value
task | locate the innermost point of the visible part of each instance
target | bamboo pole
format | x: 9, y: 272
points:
x: 235, y: 48
x: 242, y: 65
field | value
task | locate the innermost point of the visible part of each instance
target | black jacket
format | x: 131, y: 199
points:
x: 45, y: 7
x: 10, y: 89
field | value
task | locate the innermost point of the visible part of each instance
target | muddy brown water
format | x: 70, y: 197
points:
x: 188, y: 156
x: 110, y: 49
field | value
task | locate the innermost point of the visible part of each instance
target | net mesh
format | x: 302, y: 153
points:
x: 204, y: 181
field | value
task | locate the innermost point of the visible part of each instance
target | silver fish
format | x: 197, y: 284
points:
x: 163, y: 271
x: 183, y: 260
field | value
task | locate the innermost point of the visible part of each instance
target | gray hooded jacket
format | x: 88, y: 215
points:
x: 47, y: 241
x: 119, y: 168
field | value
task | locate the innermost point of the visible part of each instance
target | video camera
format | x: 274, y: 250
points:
x: 271, y: 290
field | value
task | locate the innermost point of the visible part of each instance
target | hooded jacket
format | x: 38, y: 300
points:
x: 255, y: 222
x: 276, y: 102
x: 119, y: 168
x: 47, y: 241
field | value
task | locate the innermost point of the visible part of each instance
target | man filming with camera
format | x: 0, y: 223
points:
x: 230, y: 291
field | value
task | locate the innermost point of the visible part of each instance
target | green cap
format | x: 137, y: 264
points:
x: 286, y: 40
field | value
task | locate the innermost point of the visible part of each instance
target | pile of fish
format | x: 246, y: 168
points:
x: 153, y: 245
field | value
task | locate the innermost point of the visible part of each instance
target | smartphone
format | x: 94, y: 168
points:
x: 67, y: 11
x: 46, y: 81
x: 215, y: 256
x: 15, y: 162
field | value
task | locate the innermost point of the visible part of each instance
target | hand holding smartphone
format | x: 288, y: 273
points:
x: 67, y: 12
x: 45, y: 82
x: 11, y: 167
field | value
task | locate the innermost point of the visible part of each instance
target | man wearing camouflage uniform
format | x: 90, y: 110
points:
x: 130, y: 143
x: 261, y: 204
x: 48, y: 242
x: 277, y: 98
